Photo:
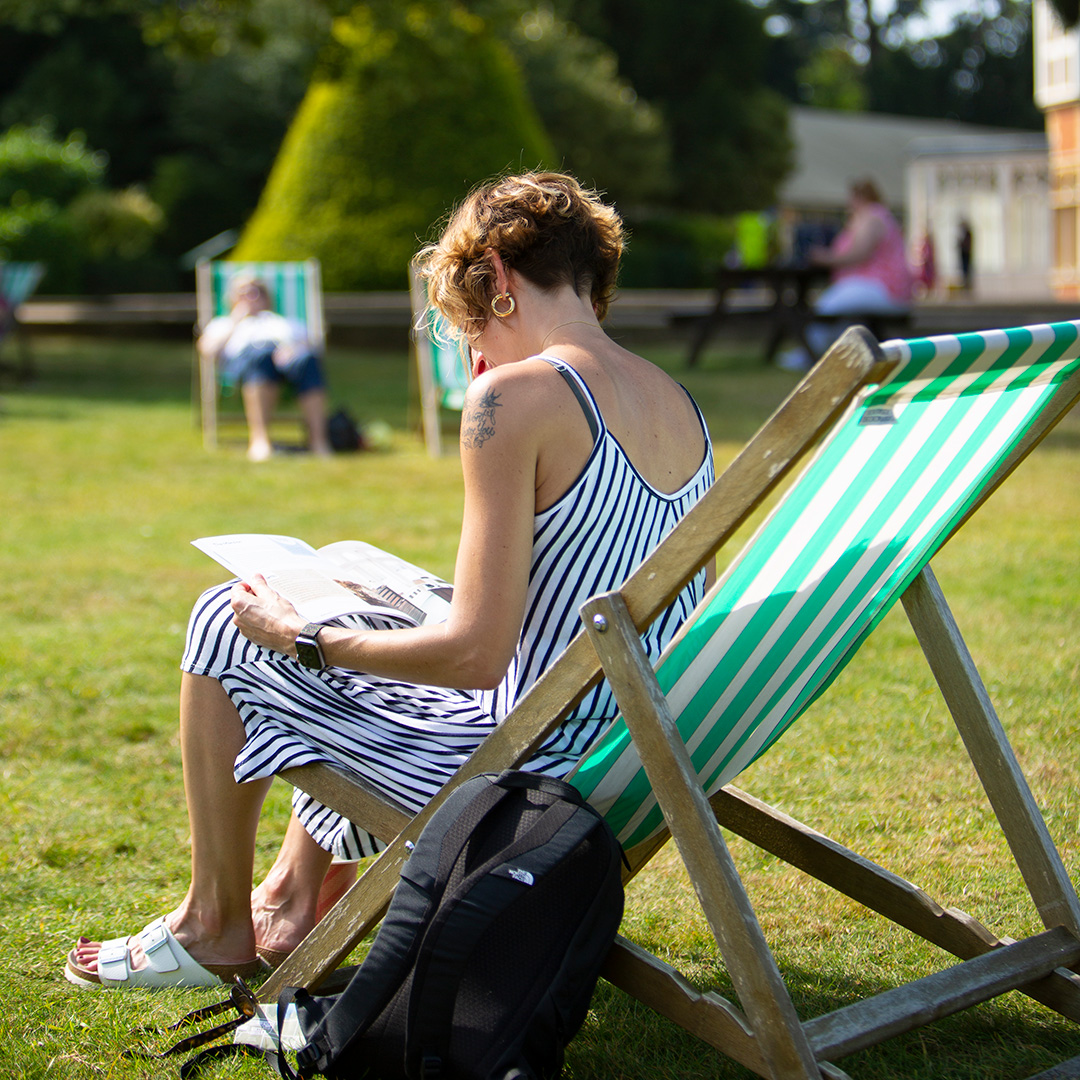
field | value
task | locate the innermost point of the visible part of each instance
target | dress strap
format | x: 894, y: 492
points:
x: 577, y: 385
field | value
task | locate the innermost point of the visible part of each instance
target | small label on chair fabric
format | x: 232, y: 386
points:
x: 878, y: 414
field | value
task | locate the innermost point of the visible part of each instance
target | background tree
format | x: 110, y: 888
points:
x: 55, y: 207
x: 701, y: 66
x: 194, y: 118
x: 978, y: 70
x: 603, y: 132
x: 411, y: 106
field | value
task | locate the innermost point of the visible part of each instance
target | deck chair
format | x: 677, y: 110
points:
x: 912, y: 438
x: 296, y: 292
x: 18, y: 280
x: 442, y: 366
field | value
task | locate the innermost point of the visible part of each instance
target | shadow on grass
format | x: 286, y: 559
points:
x: 1007, y: 1038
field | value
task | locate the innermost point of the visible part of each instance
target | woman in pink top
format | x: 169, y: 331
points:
x: 870, y: 273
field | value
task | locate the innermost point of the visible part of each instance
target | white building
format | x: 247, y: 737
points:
x: 998, y: 184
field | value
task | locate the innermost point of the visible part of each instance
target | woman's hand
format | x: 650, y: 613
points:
x: 265, y: 616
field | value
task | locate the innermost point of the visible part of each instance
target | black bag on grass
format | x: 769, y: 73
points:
x: 343, y: 432
x: 487, y: 958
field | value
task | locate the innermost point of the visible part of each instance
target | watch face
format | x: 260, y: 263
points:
x: 307, y: 652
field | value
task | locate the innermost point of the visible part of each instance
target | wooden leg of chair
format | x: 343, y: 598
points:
x: 208, y: 392
x: 991, y: 753
x: 785, y: 1050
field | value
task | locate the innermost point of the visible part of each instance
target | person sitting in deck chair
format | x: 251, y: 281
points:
x: 260, y: 350
x: 578, y: 459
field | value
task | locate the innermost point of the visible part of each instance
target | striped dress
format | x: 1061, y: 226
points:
x: 408, y: 739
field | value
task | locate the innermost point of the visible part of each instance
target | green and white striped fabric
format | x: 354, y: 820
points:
x: 879, y: 498
x: 295, y: 291
x: 18, y: 280
x: 449, y: 364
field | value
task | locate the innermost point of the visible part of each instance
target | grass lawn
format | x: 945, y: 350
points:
x: 104, y: 485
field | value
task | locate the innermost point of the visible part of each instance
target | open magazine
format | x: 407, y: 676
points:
x: 344, y: 578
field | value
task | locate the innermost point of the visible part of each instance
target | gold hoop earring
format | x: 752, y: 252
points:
x: 495, y: 305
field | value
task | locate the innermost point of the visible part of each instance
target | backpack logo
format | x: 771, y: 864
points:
x: 521, y: 875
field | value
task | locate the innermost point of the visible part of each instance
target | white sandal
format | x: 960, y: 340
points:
x: 168, y: 964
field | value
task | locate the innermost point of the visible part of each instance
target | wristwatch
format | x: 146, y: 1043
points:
x: 308, y: 651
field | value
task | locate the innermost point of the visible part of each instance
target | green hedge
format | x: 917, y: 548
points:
x: 413, y: 105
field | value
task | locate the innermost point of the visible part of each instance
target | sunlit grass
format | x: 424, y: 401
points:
x: 104, y: 485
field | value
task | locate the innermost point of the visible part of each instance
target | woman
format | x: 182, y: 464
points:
x: 578, y: 457
x: 870, y: 272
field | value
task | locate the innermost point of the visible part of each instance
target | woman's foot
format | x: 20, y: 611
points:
x: 168, y: 952
x: 282, y: 918
x: 260, y: 451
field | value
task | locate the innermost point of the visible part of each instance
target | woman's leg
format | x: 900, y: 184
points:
x: 224, y: 817
x: 313, y: 408
x: 285, y: 907
x: 260, y: 398
x: 213, y: 921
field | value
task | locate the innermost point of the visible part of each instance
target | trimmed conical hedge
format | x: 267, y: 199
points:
x: 413, y: 105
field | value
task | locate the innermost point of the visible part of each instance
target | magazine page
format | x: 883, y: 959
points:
x: 390, y: 581
x: 321, y: 588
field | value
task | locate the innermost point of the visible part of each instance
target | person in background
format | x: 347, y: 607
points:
x: 261, y: 351
x: 964, y: 244
x: 869, y: 272
x: 569, y: 444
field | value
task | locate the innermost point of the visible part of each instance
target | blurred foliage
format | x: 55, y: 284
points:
x: 702, y: 69
x: 670, y: 249
x: 834, y: 79
x: 40, y: 176
x: 411, y: 106
x: 54, y: 207
x: 35, y: 166
x: 603, y: 132
x: 978, y: 70
x: 121, y: 223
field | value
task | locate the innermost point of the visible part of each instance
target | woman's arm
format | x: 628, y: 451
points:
x: 216, y: 335
x: 474, y: 647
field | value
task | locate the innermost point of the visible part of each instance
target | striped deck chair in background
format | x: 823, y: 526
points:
x: 296, y: 293
x: 442, y: 367
x: 912, y: 437
x: 18, y: 280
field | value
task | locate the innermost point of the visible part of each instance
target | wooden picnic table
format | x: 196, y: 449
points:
x: 787, y: 288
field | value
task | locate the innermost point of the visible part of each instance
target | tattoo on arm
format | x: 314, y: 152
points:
x: 478, y: 423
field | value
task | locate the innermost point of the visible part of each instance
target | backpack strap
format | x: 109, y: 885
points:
x: 462, y: 829
x: 453, y: 934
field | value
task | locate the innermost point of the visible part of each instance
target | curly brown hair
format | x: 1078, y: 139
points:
x: 544, y: 225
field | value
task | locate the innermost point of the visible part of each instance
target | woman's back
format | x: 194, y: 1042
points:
x: 596, y: 532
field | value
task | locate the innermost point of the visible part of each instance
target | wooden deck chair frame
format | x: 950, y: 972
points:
x: 18, y: 280
x: 296, y: 292
x: 442, y: 367
x: 766, y: 1035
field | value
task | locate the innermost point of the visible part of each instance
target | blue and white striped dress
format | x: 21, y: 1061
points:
x: 408, y: 740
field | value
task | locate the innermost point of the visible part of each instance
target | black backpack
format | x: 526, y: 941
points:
x: 487, y: 958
